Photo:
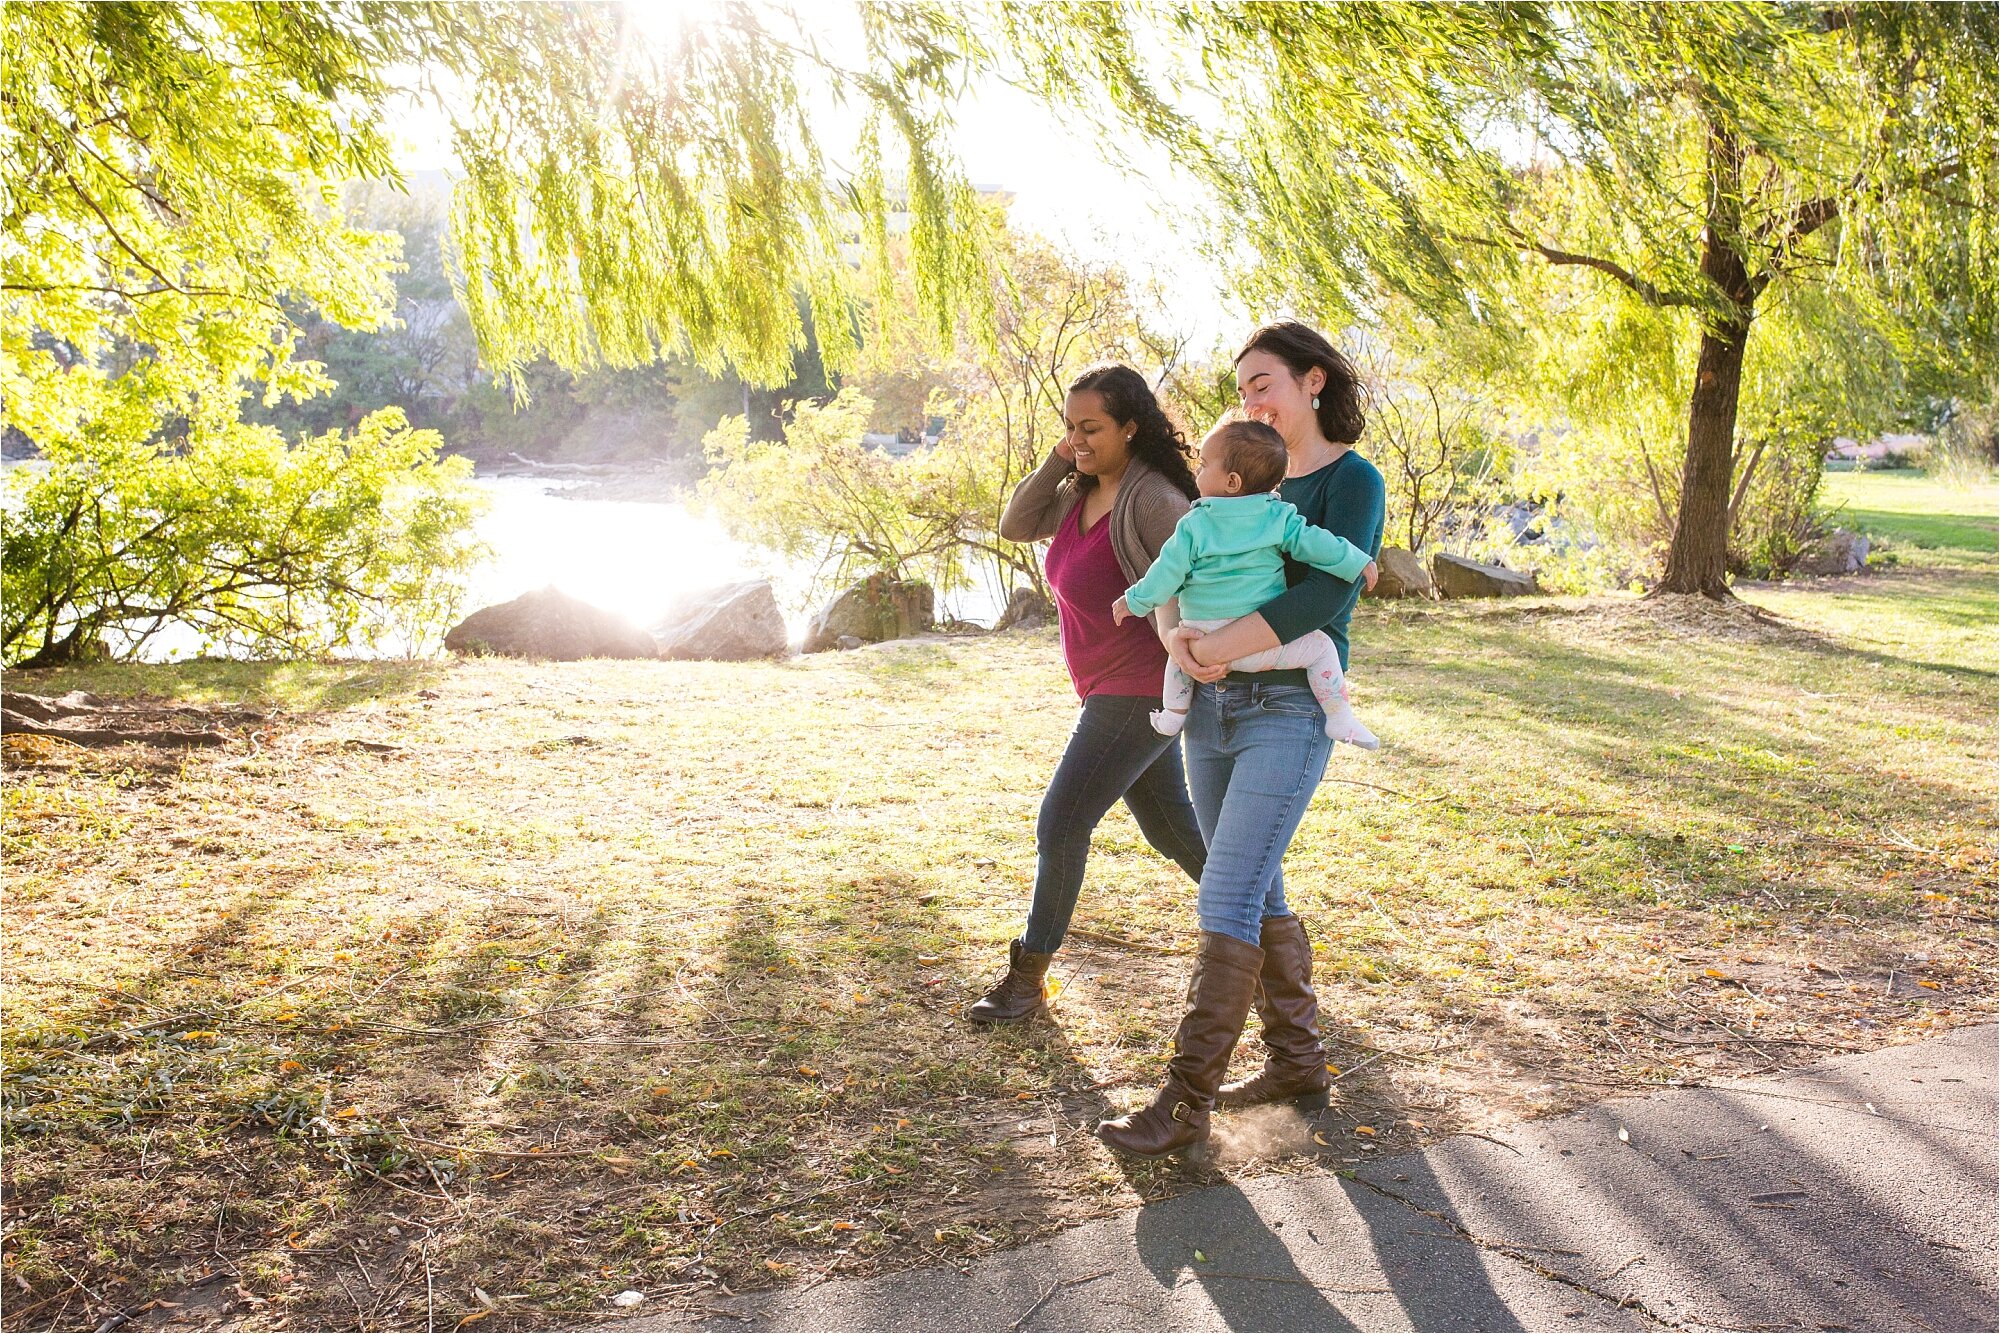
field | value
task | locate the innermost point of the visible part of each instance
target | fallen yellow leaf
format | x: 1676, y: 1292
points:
x: 287, y: 1067
x: 347, y: 1112
x: 1926, y: 982
x: 1364, y: 1130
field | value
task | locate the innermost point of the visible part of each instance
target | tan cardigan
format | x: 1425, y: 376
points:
x: 1142, y: 517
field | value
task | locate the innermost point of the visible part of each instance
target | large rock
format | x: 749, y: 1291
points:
x: 1026, y: 610
x: 1458, y: 577
x: 873, y: 610
x: 733, y: 622
x: 1839, y: 552
x: 549, y: 624
x: 1401, y: 575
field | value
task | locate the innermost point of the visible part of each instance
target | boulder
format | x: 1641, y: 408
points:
x: 1026, y: 610
x: 1458, y: 577
x: 549, y: 624
x: 873, y: 610
x: 1401, y: 575
x: 1838, y: 552
x: 731, y: 622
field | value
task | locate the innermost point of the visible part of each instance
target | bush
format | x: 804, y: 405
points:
x: 263, y: 548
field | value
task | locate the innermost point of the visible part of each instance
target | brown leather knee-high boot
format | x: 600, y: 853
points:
x: 1295, y: 1060
x: 1225, y: 979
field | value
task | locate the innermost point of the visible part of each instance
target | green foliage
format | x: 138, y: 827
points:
x: 822, y: 497
x: 175, y: 183
x: 262, y: 547
x: 629, y: 195
x: 167, y: 190
x: 1432, y: 434
x: 1693, y: 168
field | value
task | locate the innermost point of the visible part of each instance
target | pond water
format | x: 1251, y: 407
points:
x: 631, y: 557
x: 636, y: 557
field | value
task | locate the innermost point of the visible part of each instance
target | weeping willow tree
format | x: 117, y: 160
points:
x: 1689, y: 158
x: 171, y: 179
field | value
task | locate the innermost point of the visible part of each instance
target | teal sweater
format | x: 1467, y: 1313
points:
x: 1226, y: 557
x: 1345, y: 497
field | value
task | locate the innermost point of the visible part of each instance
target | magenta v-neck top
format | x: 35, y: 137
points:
x: 1103, y: 659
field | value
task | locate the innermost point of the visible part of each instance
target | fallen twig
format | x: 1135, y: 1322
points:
x: 1052, y: 1290
x: 1356, y: 782
x: 1281, y: 1278
x: 1120, y: 942
x: 499, y: 1153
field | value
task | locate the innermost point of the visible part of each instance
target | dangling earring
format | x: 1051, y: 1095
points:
x: 1315, y: 402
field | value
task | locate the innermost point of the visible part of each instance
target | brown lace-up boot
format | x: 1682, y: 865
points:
x: 1295, y: 1063
x: 1225, y: 978
x: 1019, y: 993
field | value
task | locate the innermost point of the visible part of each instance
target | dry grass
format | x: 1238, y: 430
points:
x: 647, y: 976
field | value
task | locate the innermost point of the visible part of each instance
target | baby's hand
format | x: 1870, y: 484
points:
x: 1120, y: 613
x: 1369, y: 573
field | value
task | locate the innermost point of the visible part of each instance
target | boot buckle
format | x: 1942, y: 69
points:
x: 1180, y: 1107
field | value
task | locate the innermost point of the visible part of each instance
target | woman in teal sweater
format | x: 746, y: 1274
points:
x: 1256, y: 747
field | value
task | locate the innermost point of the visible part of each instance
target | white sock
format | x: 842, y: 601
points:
x: 1342, y: 725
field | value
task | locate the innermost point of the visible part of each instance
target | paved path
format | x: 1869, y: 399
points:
x: 1857, y: 1194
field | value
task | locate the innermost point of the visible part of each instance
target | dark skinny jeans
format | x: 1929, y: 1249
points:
x: 1114, y: 752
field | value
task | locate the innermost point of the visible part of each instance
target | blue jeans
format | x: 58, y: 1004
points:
x: 1255, y: 752
x: 1114, y: 752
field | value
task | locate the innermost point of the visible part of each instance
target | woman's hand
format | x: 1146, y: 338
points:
x: 1369, y: 573
x: 1121, y: 612
x: 1180, y: 647
x: 1063, y: 451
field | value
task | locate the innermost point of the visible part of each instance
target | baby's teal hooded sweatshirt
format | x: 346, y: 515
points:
x: 1226, y: 557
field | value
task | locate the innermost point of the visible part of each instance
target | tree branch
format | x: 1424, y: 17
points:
x: 1648, y: 292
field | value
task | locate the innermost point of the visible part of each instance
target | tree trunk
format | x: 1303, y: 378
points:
x: 1698, y: 557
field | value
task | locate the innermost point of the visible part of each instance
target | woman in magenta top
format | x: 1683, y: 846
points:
x: 1106, y: 498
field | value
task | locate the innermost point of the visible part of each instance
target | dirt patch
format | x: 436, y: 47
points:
x: 81, y: 719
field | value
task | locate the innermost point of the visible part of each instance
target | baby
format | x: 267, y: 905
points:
x: 1226, y: 559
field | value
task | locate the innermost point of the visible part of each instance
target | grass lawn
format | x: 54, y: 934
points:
x: 1907, y: 508
x: 603, y: 976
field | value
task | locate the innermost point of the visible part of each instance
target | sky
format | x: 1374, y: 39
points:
x: 1062, y: 186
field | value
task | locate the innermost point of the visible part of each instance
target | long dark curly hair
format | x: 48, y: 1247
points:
x: 1156, y: 441
x: 1302, y: 347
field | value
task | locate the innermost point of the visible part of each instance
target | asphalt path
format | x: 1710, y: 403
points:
x: 1857, y: 1194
